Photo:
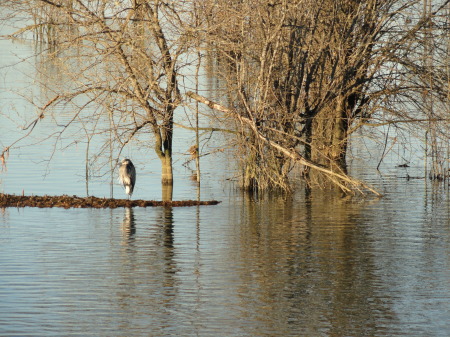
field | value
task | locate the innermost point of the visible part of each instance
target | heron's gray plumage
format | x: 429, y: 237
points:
x: 127, y: 176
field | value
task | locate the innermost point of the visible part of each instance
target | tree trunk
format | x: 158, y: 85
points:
x: 166, y: 169
x: 338, y: 150
x: 329, y: 136
x: 167, y: 177
x: 167, y: 192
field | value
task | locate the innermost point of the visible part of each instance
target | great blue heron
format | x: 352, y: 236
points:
x: 127, y: 176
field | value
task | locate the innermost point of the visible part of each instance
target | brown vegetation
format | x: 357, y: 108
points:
x: 297, y: 78
x: 305, y: 75
x: 65, y: 201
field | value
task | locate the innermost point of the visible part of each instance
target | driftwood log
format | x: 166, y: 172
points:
x: 66, y: 201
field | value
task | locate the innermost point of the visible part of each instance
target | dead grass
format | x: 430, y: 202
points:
x: 65, y: 201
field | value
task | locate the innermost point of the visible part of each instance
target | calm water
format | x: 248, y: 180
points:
x: 310, y: 265
x: 307, y: 265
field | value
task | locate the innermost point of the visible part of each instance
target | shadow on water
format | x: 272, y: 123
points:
x: 316, y: 264
x: 128, y: 225
x: 147, y: 283
x: 168, y: 238
x: 306, y: 264
x: 309, y: 261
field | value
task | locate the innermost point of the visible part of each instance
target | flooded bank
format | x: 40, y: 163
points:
x: 65, y: 201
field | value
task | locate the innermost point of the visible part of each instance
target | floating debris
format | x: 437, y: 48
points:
x: 66, y: 201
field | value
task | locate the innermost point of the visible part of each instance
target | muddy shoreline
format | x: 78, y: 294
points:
x: 66, y: 201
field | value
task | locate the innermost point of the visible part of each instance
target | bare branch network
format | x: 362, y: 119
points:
x: 296, y: 78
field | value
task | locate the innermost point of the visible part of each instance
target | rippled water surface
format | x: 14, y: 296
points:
x: 310, y: 264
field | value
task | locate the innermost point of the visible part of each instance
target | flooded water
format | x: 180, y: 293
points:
x: 310, y: 264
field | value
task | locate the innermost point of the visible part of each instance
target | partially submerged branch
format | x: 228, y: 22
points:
x: 345, y: 182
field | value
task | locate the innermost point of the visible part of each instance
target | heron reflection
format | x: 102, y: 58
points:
x: 128, y: 224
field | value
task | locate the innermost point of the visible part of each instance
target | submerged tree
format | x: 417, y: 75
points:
x: 302, y: 76
x: 298, y: 78
x: 122, y: 55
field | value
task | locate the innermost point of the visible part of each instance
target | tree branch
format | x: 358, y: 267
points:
x: 341, y: 180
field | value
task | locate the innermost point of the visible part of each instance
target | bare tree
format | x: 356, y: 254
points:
x: 305, y: 75
x: 298, y: 78
x: 123, y: 55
